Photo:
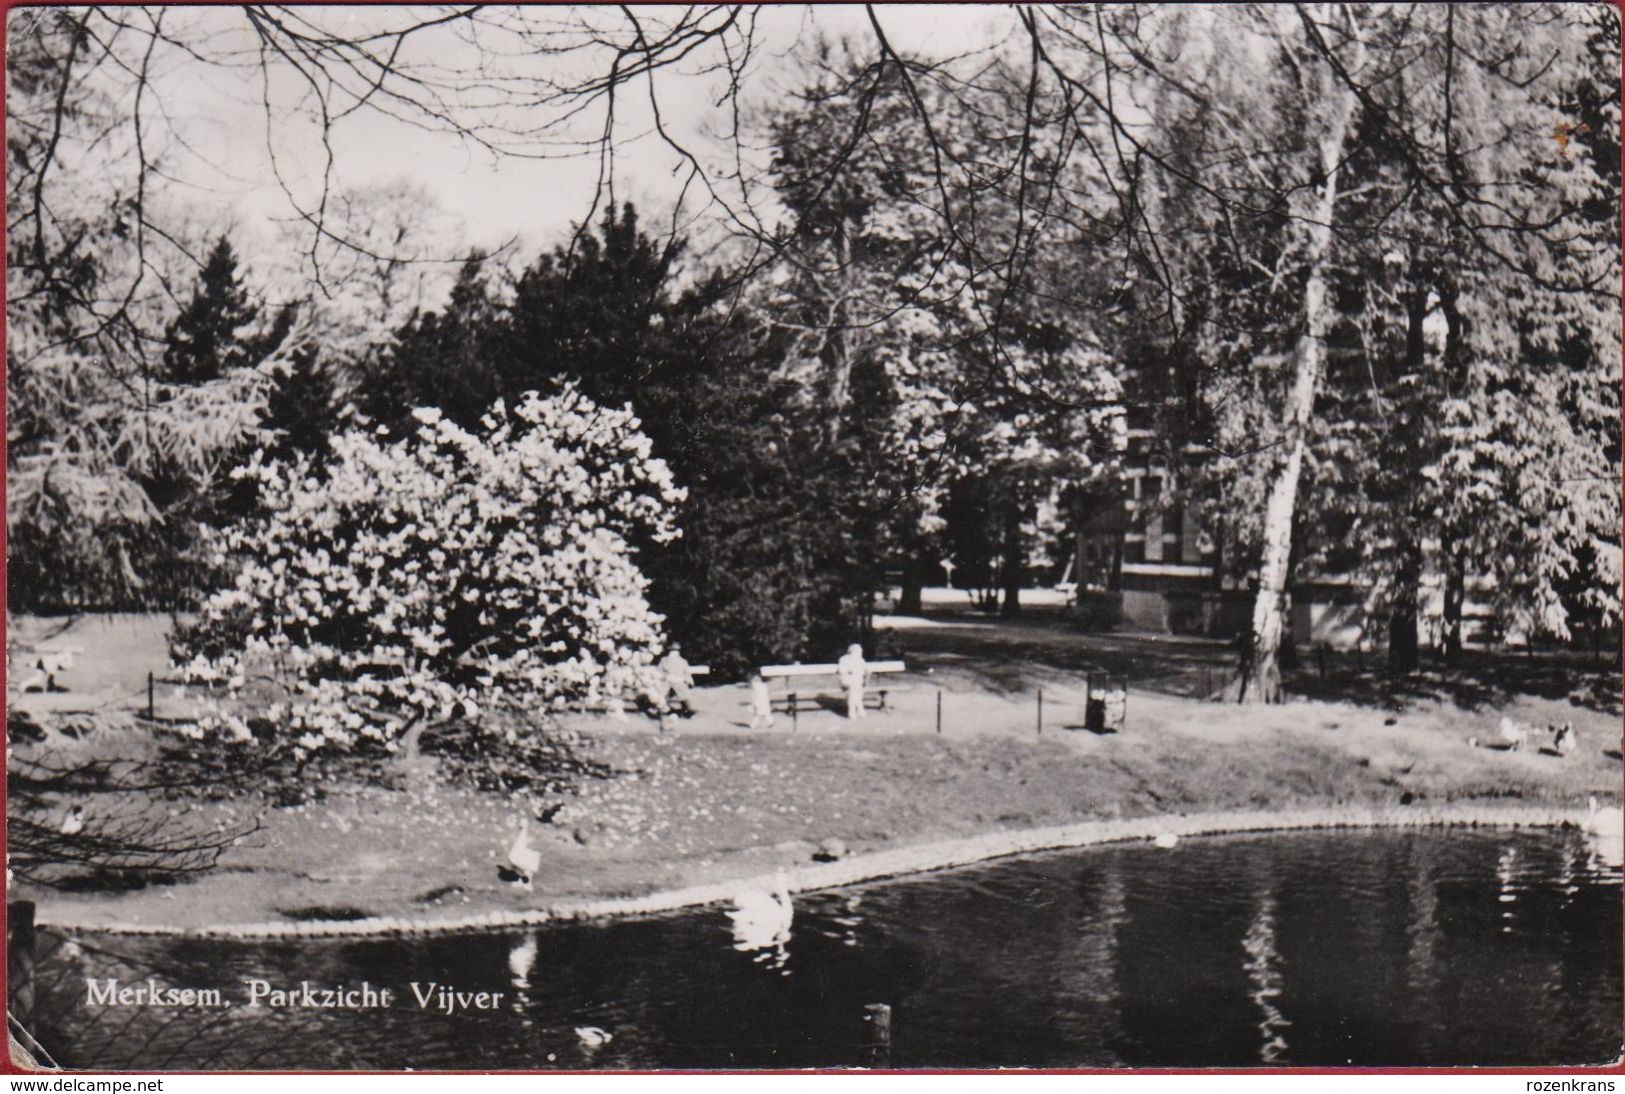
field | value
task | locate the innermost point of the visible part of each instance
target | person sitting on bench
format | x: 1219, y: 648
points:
x: 679, y: 684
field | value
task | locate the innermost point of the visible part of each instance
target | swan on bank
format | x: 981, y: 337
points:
x: 523, y: 859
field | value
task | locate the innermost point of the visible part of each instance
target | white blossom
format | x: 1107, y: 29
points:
x: 446, y: 572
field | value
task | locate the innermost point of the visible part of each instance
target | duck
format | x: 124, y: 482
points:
x: 831, y: 850
x: 523, y: 859
x: 762, y: 919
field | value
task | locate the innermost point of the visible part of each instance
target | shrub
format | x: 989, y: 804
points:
x: 436, y: 574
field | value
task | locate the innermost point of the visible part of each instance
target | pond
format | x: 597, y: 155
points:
x: 1377, y: 948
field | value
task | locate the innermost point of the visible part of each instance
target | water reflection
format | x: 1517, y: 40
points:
x: 1386, y: 948
x: 1262, y: 967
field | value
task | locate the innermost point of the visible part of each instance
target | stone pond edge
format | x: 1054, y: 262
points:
x: 872, y: 866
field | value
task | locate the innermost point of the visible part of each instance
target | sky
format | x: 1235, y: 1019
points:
x: 223, y: 140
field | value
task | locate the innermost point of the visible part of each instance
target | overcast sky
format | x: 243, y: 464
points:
x: 221, y: 113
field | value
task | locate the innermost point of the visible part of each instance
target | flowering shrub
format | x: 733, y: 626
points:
x: 440, y: 574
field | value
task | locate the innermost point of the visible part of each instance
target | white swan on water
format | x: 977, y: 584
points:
x: 1604, y: 831
x: 762, y: 919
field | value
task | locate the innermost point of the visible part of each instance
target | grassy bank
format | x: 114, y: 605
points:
x: 714, y: 801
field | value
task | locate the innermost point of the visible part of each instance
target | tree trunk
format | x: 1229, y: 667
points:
x: 1012, y: 561
x: 1261, y: 669
x: 1455, y: 558
x: 839, y: 347
x: 1404, y: 654
x: 410, y: 752
x: 909, y: 601
x: 1455, y: 597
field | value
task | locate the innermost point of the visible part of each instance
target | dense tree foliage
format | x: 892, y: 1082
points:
x: 1355, y: 266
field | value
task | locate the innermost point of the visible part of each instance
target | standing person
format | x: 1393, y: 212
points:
x: 850, y: 670
x: 679, y: 682
x: 761, y: 703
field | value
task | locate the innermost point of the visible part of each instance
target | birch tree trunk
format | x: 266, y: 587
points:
x: 840, y: 336
x: 1261, y: 668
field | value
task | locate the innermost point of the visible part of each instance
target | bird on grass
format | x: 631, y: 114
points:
x: 74, y: 822
x: 1513, y: 734
x: 523, y: 859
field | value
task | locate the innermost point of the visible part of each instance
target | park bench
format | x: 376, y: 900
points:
x: 792, y: 702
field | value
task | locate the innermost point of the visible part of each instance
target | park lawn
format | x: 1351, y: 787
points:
x: 712, y: 801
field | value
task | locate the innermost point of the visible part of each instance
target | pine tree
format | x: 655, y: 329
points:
x: 599, y: 312
x: 302, y: 407
x: 207, y: 339
x: 447, y: 359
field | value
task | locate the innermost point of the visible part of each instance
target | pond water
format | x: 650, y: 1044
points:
x: 1392, y: 948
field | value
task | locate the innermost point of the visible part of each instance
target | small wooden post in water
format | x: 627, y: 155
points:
x: 939, y: 711
x: 795, y: 707
x: 150, y: 708
x: 878, y: 1018
x: 1040, y: 712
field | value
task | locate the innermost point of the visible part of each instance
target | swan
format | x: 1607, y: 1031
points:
x: 762, y: 919
x: 1167, y: 841
x: 1512, y: 733
x: 594, y: 1037
x: 523, y: 859
x: 74, y: 822
x: 1603, y: 829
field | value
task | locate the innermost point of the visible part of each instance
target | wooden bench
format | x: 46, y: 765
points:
x: 793, y: 702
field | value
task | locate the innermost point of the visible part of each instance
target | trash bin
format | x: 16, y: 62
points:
x: 1106, y: 706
